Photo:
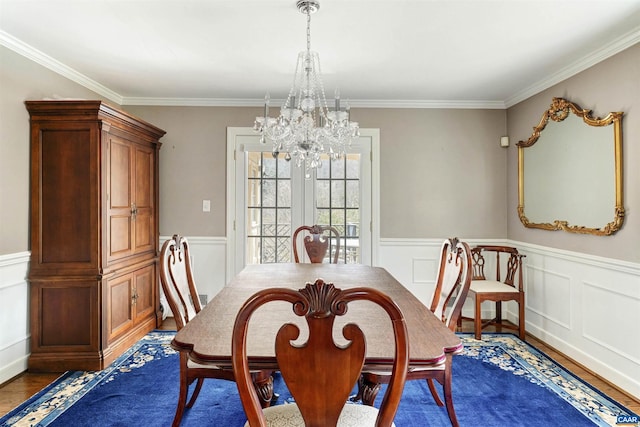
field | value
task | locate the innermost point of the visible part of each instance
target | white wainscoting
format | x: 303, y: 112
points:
x: 414, y: 262
x: 14, y: 318
x: 208, y: 260
x: 585, y: 306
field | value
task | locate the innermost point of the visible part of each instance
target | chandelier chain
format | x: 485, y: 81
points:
x: 306, y: 130
x: 308, y: 30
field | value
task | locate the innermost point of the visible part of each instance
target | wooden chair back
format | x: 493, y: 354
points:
x: 177, y: 281
x: 319, y: 373
x: 453, y: 282
x: 317, y: 242
x: 505, y: 275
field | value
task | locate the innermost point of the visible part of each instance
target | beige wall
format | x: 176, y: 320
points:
x: 612, y: 85
x: 436, y: 167
x: 443, y: 172
x: 22, y: 79
x: 193, y: 165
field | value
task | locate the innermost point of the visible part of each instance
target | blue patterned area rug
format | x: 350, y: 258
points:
x: 499, y: 381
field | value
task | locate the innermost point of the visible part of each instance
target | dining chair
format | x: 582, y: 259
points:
x: 178, y: 285
x: 502, y: 287
x: 452, y: 285
x: 317, y: 242
x: 319, y: 373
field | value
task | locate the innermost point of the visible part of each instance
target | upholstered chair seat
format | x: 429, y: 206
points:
x: 352, y: 415
x: 491, y: 286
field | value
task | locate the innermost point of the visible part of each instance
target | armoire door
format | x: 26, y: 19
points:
x: 130, y: 219
x: 143, y: 191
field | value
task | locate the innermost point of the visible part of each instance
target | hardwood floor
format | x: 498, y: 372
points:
x: 27, y: 384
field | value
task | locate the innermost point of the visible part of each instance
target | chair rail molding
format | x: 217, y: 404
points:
x: 14, y: 304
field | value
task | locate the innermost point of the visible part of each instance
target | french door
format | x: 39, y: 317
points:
x: 268, y: 198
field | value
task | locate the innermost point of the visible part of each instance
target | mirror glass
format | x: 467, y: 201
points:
x: 570, y: 172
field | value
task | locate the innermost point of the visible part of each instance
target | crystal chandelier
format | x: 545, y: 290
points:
x: 306, y: 128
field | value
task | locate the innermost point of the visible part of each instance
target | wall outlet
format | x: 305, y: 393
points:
x: 204, y: 299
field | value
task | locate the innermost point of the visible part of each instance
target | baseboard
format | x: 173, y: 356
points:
x: 604, y: 371
x: 13, y: 369
x: 14, y: 322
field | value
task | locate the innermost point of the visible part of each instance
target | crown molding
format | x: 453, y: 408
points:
x: 58, y: 67
x: 196, y: 102
x: 363, y: 103
x: 615, y: 46
x: 443, y: 103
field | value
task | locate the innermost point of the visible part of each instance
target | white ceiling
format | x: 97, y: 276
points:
x: 396, y: 53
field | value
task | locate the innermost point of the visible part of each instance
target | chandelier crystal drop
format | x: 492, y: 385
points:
x: 306, y: 127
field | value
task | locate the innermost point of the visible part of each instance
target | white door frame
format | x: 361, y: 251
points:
x: 232, y: 188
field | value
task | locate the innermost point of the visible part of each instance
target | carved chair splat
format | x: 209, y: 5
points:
x: 320, y: 374
x: 317, y: 242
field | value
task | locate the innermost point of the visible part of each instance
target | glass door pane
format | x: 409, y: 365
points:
x: 272, y: 198
x: 337, y: 203
x: 268, y: 209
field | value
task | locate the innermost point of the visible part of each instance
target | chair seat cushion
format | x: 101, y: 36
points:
x: 491, y: 286
x: 288, y: 415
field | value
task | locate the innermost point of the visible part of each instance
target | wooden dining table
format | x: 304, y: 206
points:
x: 207, y: 337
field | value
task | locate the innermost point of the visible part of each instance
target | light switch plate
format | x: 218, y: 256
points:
x: 206, y: 206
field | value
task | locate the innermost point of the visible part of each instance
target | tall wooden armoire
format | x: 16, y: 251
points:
x: 94, y: 233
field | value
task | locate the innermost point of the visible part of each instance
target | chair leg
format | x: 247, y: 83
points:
x: 263, y: 383
x: 499, y: 312
x: 521, y: 319
x: 447, y: 392
x: 434, y: 392
x: 477, y: 321
x: 369, y: 391
x: 184, y: 389
x: 195, y: 393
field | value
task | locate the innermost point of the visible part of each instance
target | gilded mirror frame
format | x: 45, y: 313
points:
x: 560, y: 110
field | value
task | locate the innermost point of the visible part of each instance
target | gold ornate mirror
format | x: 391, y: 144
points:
x: 570, y: 172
